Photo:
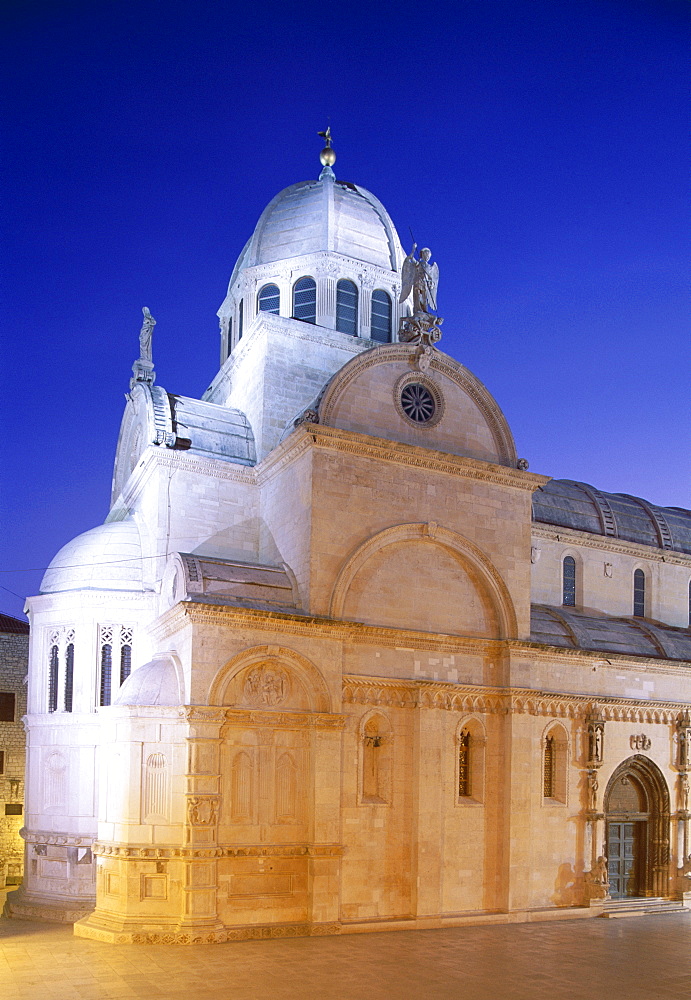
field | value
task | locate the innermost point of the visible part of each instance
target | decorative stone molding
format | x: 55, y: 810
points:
x: 359, y: 690
x: 640, y: 742
x: 248, y: 933
x: 55, y: 839
x: 107, y: 850
x: 608, y: 544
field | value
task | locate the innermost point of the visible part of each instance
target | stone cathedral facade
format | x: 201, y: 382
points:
x: 337, y: 661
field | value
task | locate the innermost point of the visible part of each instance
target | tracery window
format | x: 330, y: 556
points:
x: 346, y: 307
x: 569, y: 581
x: 269, y: 299
x: 69, y: 676
x: 639, y: 593
x: 60, y: 669
x: 115, y: 647
x: 305, y: 300
x: 380, y: 327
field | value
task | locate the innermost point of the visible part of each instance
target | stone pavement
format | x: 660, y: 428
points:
x: 641, y: 958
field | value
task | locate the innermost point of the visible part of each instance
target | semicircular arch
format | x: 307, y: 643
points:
x: 462, y: 548
x: 308, y: 688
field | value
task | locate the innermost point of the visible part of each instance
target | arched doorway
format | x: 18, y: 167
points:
x: 637, y: 830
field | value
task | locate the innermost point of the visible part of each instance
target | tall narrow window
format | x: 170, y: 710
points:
x: 569, y: 581
x: 269, y: 299
x: 346, y: 307
x: 381, y: 316
x: 69, y: 676
x: 305, y: 300
x: 2, y: 761
x: 241, y: 319
x: 464, y: 765
x: 125, y: 662
x: 549, y: 768
x: 639, y: 593
x: 53, y: 680
x: 106, y: 673
x: 689, y: 603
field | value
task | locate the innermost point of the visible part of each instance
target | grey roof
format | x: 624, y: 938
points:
x: 213, y: 431
x: 589, y: 630
x: 569, y: 504
x: 225, y: 581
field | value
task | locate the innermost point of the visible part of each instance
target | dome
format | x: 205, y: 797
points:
x: 108, y: 557
x: 156, y: 683
x: 323, y: 215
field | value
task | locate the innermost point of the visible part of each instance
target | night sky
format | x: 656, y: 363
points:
x: 537, y: 146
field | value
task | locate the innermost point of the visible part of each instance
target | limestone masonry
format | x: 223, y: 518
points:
x: 337, y: 661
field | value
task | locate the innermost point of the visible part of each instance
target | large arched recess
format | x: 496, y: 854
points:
x: 457, y: 567
x: 637, y: 796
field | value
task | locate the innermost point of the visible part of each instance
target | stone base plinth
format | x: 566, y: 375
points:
x: 21, y: 905
x: 100, y: 930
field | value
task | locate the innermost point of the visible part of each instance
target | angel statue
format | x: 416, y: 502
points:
x: 422, y: 278
x: 145, y: 335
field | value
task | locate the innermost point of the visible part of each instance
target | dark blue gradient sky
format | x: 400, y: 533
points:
x: 537, y: 146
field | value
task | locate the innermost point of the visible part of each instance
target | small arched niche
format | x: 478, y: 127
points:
x: 375, y: 759
x: 555, y: 761
x: 470, y: 743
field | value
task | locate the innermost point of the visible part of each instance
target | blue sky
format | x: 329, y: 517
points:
x: 537, y: 146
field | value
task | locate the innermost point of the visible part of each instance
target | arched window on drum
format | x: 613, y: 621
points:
x: 380, y: 327
x: 346, y: 307
x: 269, y: 299
x: 305, y: 300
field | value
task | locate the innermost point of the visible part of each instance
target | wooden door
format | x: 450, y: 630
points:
x: 623, y: 858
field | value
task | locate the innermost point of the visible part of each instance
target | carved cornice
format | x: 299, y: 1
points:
x: 359, y: 690
x: 384, y: 450
x: 103, y: 849
x: 55, y: 839
x: 318, y: 627
x: 606, y: 543
x: 283, y: 720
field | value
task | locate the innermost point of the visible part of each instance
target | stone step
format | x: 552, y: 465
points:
x: 641, y: 907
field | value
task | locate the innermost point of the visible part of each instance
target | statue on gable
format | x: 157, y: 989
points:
x: 145, y: 335
x: 421, y: 278
x: 143, y: 367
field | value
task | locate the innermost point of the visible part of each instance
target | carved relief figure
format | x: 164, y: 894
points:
x: 592, y: 790
x: 201, y: 811
x: 266, y: 686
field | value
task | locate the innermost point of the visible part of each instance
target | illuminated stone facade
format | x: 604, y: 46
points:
x: 304, y: 694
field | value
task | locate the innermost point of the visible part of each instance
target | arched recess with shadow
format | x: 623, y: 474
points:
x: 637, y: 829
x: 426, y: 577
x: 270, y: 677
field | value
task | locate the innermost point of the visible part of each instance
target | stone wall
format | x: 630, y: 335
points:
x: 14, y: 653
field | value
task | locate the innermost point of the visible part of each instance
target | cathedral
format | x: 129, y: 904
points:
x: 337, y: 661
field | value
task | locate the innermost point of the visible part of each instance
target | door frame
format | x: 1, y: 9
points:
x: 653, y: 865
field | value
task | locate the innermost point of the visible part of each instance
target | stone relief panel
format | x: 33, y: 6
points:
x: 268, y: 685
x: 156, y: 791
x: 55, y: 782
x: 264, y: 782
